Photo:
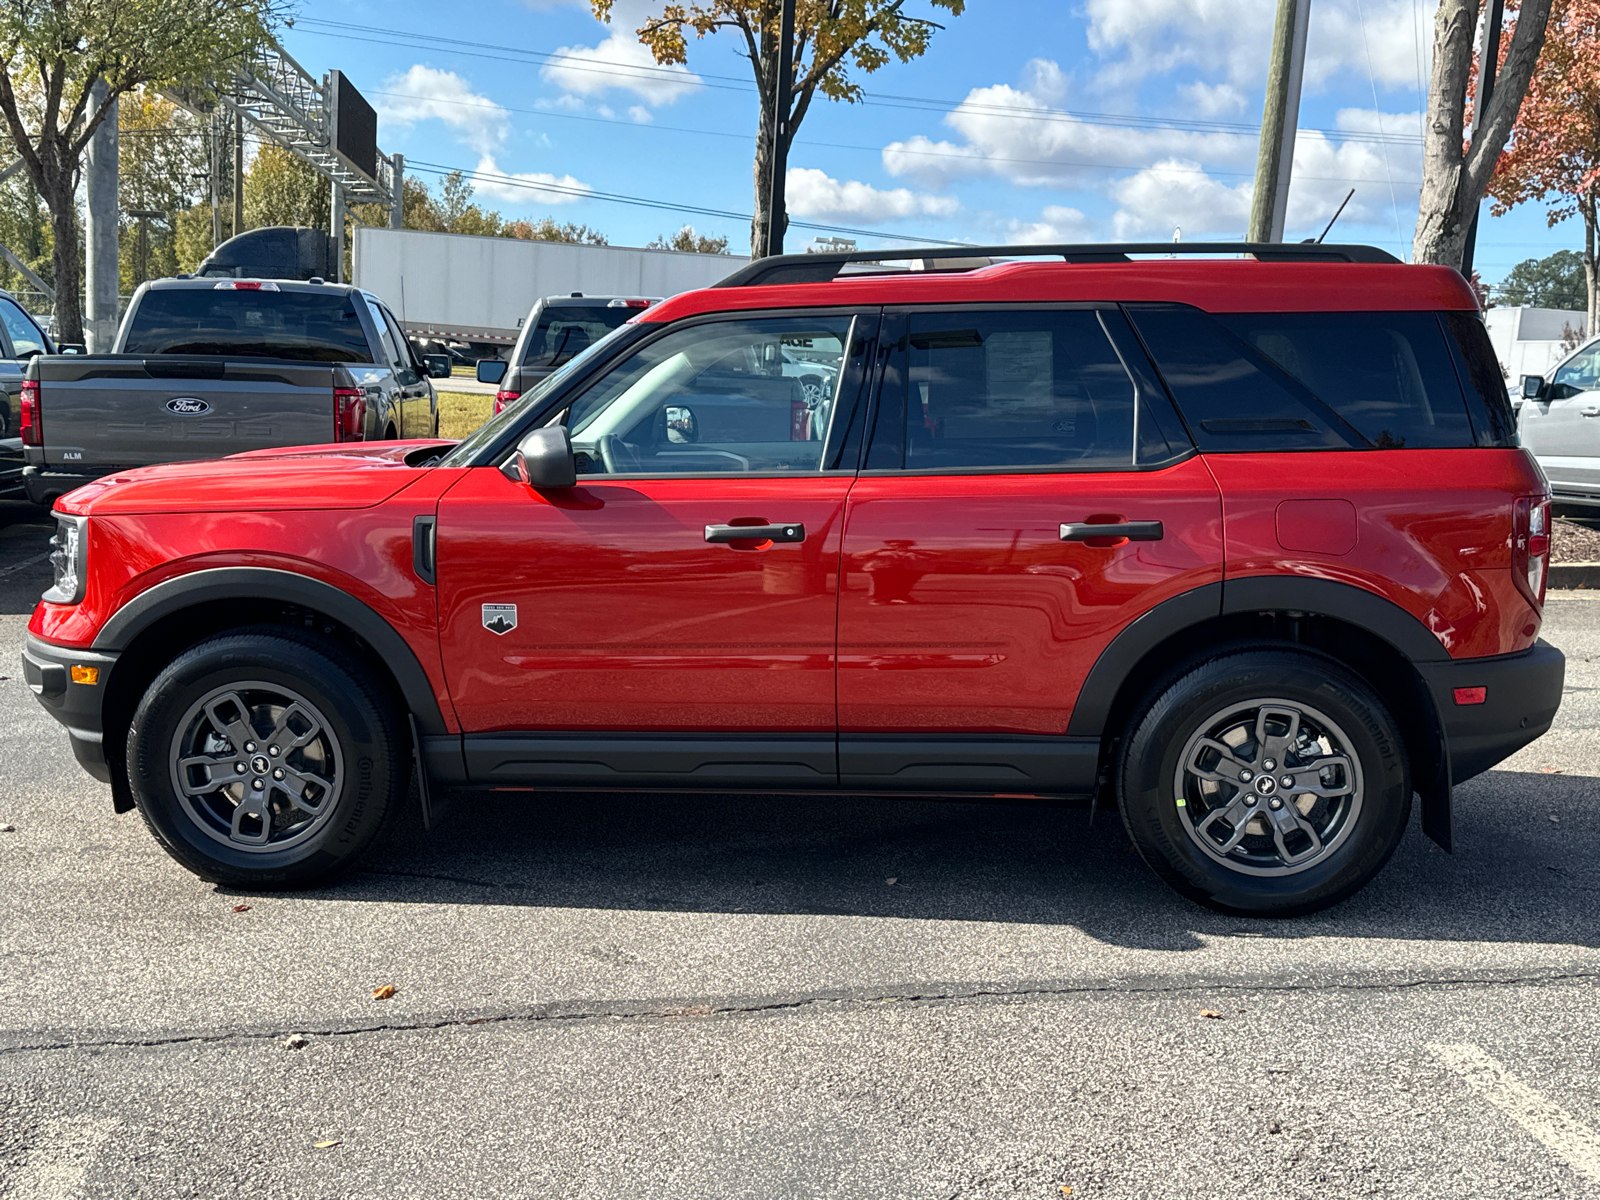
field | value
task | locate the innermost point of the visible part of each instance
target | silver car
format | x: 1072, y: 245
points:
x: 1559, y: 423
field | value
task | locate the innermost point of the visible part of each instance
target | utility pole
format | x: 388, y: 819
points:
x: 1275, y: 160
x: 100, y: 276
x: 777, y: 209
x: 216, y: 177
x: 337, y: 231
x: 238, y: 174
x: 142, y: 260
x: 1488, y: 65
x: 397, y: 211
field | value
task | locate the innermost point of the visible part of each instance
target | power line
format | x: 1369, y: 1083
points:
x: 502, y: 180
x: 638, y: 72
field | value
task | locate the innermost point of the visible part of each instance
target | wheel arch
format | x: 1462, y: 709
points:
x: 151, y: 628
x: 1372, y: 636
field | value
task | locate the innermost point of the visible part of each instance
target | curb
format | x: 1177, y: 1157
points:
x: 1575, y: 575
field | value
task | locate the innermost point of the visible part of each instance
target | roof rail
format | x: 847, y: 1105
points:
x: 824, y: 267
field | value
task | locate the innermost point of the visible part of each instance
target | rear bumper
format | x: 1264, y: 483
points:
x: 48, y: 672
x: 1523, y: 692
x: 43, y: 484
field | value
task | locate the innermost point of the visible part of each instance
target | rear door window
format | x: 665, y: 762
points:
x: 565, y: 331
x: 1388, y: 374
x: 1582, y: 370
x: 1019, y: 390
x: 305, y: 326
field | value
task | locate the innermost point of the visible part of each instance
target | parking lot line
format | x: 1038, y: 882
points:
x: 1573, y: 1142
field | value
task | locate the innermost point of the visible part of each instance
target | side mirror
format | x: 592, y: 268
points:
x: 682, y: 424
x: 1532, y: 387
x: 544, y: 459
x: 438, y: 366
x: 492, y: 370
x: 71, y: 348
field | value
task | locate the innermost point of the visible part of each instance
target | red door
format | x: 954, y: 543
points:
x: 969, y: 606
x: 604, y: 607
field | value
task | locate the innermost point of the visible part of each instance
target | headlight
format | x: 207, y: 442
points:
x: 69, y: 555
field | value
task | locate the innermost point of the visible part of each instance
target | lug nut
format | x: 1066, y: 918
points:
x: 238, y: 768
x: 1246, y: 774
x: 1287, y: 781
x: 272, y: 750
x: 258, y: 784
x: 1276, y: 803
x: 278, y: 774
x: 1267, y: 764
x: 249, y: 747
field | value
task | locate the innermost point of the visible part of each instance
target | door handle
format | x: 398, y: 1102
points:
x: 1134, y: 531
x: 789, y: 532
x: 1591, y: 411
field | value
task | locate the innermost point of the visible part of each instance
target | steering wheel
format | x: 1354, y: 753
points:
x: 619, y: 457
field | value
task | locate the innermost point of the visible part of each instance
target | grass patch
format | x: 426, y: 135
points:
x: 462, y: 412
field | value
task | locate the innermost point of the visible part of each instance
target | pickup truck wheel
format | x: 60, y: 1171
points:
x: 1265, y: 783
x: 263, y: 759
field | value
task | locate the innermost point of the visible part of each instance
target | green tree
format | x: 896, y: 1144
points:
x: 283, y: 189
x: 548, y: 229
x: 687, y: 241
x: 831, y: 36
x: 56, y: 50
x: 1556, y: 281
x: 161, y: 151
x: 25, y: 230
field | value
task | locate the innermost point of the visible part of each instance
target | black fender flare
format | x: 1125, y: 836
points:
x: 1413, y: 641
x: 267, y: 583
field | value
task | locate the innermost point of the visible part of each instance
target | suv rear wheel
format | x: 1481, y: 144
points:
x: 1264, y: 782
x: 265, y: 759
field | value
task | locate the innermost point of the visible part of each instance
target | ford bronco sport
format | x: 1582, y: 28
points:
x: 1245, y: 541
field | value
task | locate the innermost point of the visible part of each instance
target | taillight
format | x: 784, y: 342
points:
x: 30, y: 413
x: 501, y: 399
x: 1530, y: 546
x: 349, y: 415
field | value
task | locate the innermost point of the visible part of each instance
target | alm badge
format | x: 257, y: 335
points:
x: 499, y: 618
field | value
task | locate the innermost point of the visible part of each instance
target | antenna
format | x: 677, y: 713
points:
x: 1336, y: 213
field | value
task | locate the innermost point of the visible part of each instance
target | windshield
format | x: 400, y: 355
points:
x: 307, y: 326
x: 463, y: 454
x: 565, y: 331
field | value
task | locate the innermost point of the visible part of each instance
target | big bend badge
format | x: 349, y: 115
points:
x: 499, y: 618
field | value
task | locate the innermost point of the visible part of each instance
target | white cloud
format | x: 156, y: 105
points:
x: 620, y: 62
x: 523, y: 187
x: 1008, y: 134
x: 640, y: 114
x: 1231, y: 37
x: 812, y: 193
x: 1056, y: 224
x: 425, y: 94
x: 1213, y: 100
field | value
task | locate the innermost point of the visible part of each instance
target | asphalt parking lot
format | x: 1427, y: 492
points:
x: 778, y: 997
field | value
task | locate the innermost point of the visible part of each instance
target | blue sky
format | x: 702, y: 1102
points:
x: 1026, y: 121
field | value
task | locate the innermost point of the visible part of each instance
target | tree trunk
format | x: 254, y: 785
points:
x: 1586, y: 205
x: 1453, y: 182
x: 68, y: 259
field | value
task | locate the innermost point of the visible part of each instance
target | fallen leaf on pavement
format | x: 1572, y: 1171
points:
x: 1554, y: 820
x: 1065, y: 1190
x: 384, y: 992
x: 1211, y: 1014
x: 892, y: 880
x: 295, y: 1041
x: 1552, y: 770
x: 241, y: 908
x: 325, y: 1144
x: 8, y: 828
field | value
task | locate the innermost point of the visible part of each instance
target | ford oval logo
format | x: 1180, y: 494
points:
x: 188, y: 406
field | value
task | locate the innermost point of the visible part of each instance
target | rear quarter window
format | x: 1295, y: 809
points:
x: 565, y: 332
x: 303, y: 326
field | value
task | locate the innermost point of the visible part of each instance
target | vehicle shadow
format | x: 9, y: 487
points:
x: 25, y: 531
x: 1517, y: 876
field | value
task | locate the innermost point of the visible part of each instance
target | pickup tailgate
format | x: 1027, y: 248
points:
x: 128, y: 410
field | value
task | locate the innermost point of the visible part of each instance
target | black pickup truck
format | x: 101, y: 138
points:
x: 205, y: 368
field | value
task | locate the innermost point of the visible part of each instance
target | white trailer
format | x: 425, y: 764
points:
x: 479, y: 290
x: 1529, y: 341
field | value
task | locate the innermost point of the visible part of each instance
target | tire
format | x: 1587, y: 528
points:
x: 389, y: 434
x: 341, y: 774
x: 1211, y: 819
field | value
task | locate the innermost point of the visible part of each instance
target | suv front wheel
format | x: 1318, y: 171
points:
x: 1265, y: 782
x: 265, y: 758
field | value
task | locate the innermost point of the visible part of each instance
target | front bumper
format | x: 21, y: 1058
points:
x: 1523, y: 692
x: 48, y: 672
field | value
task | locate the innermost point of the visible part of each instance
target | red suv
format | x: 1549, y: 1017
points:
x: 1246, y: 541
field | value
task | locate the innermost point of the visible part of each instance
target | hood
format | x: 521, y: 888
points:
x: 301, y: 477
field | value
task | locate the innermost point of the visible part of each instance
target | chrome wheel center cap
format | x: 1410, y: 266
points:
x: 1266, y: 785
x: 261, y: 766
